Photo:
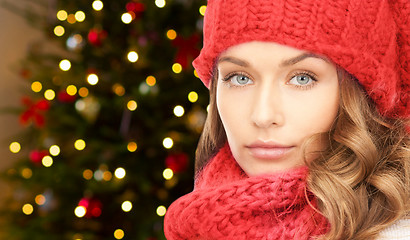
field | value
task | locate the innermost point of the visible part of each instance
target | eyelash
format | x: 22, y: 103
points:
x: 303, y: 87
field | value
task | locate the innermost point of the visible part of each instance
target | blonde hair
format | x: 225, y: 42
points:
x: 361, y: 180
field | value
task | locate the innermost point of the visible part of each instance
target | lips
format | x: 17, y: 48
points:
x: 268, y: 150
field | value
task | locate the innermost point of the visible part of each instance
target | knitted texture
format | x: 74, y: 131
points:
x: 368, y: 38
x: 227, y: 204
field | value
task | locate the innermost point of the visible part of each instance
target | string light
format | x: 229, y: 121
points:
x: 40, y: 199
x: 98, y: 5
x: 167, y: 142
x: 92, y: 79
x: 126, y: 206
x: 62, y: 15
x: 168, y: 173
x: 120, y: 173
x: 71, y: 18
x: 59, y: 31
x: 83, y: 92
x: 171, y: 34
x: 179, y: 111
x: 132, y: 56
x: 161, y: 210
x: 49, y: 94
x: 36, y: 86
x: 71, y: 90
x: 15, y: 147
x: 132, y: 146
x: 126, y: 18
x: 151, y: 81
x: 79, y: 16
x: 80, y: 211
x: 47, y: 161
x: 177, y: 68
x: 160, y: 3
x: 132, y: 105
x: 119, y: 234
x: 26, y: 173
x: 28, y: 209
x: 54, y: 150
x: 202, y: 10
x: 79, y: 144
x: 65, y: 65
x: 88, y: 174
x: 193, y: 96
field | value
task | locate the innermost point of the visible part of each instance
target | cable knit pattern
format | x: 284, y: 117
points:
x: 227, y: 204
x: 368, y: 38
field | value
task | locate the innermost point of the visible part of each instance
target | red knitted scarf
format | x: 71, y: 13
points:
x: 227, y: 204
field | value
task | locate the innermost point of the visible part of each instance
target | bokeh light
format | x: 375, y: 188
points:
x: 177, y: 68
x: 28, y: 209
x: 167, y: 142
x: 65, y: 65
x: 132, y: 105
x: 161, y: 210
x: 126, y: 206
x: 59, y: 31
x: 119, y: 234
x: 132, y: 146
x: 62, y: 15
x: 98, y: 5
x: 36, y: 86
x: 179, y: 111
x: 54, y: 150
x: 160, y: 3
x: 49, y: 94
x: 92, y: 79
x: 15, y: 147
x: 132, y: 56
x: 47, y: 161
x: 120, y: 173
x: 193, y: 96
x: 79, y: 144
x: 168, y: 174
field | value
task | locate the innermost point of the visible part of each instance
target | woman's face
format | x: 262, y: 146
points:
x: 271, y: 98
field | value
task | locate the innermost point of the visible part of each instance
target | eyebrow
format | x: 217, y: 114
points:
x: 285, y: 63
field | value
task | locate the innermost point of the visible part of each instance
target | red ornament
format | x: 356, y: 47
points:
x: 36, y: 156
x: 34, y: 112
x: 96, y: 36
x: 92, y: 206
x: 64, y: 97
x: 187, y: 49
x: 177, y: 162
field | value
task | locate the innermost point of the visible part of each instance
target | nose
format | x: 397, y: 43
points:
x: 268, y: 107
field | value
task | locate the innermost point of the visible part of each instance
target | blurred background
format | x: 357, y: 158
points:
x: 100, y: 115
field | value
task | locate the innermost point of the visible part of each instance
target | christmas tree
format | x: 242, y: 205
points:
x: 111, y: 122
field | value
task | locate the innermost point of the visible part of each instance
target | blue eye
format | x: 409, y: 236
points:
x: 238, y: 79
x: 302, y: 79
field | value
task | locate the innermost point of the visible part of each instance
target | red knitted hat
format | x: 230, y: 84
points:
x: 368, y: 38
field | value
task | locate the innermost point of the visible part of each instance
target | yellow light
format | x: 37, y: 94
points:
x: 28, y: 209
x: 193, y: 96
x: 196, y: 74
x: 202, y: 10
x: 79, y: 144
x: 151, y: 81
x: 177, y: 68
x: 168, y: 173
x: 15, y: 147
x: 119, y: 234
x: 98, y: 5
x: 49, y: 94
x: 118, y: 89
x: 132, y: 56
x: 179, y: 111
x: 79, y: 16
x: 160, y: 3
x: 126, y: 18
x: 54, y: 150
x: 120, y: 173
x: 65, y: 65
x: 26, y: 173
x: 71, y: 18
x: 40, y: 199
x: 92, y: 79
x: 171, y: 34
x: 47, y: 161
x: 78, y: 237
x: 62, y: 15
x: 83, y: 92
x: 132, y: 105
x: 168, y: 143
x: 59, y: 31
x: 161, y: 210
x: 126, y: 206
x: 107, y: 176
x: 88, y: 174
x: 80, y: 211
x: 132, y: 146
x: 71, y: 90
x: 36, y: 86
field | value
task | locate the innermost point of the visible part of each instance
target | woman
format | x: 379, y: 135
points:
x: 306, y: 132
